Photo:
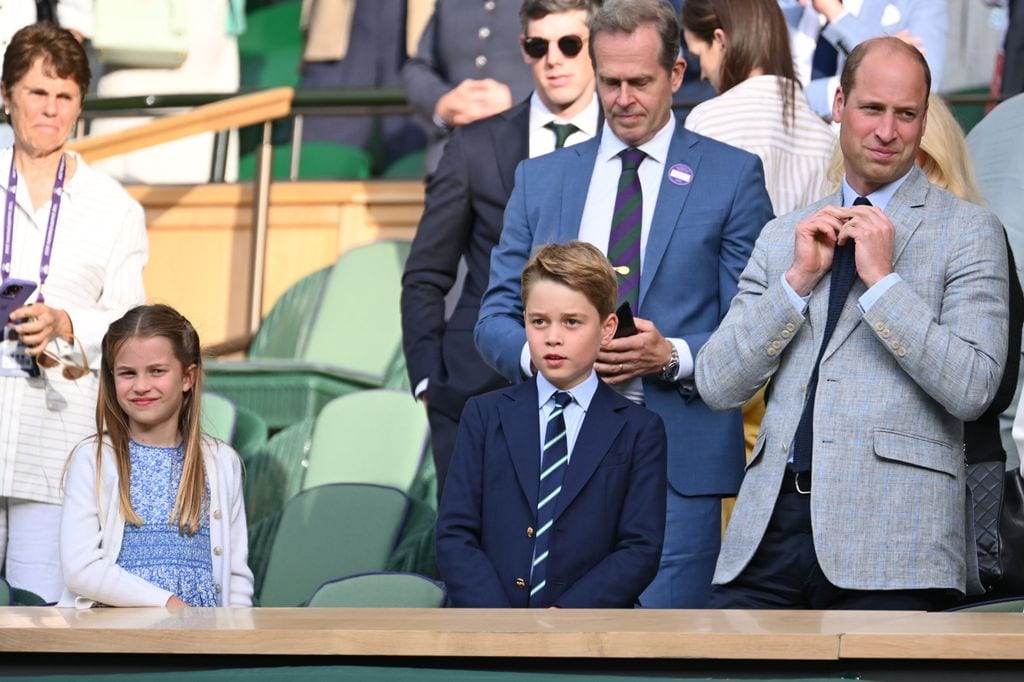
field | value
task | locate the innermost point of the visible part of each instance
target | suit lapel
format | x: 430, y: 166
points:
x: 521, y: 425
x: 574, y: 187
x: 905, y: 215
x: 685, y: 148
x: 601, y: 425
x: 512, y: 147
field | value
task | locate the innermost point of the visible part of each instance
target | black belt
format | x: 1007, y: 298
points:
x: 796, y: 482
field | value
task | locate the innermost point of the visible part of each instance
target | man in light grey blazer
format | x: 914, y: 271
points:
x: 854, y: 497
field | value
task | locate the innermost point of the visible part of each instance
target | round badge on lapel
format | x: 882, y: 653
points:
x: 680, y: 174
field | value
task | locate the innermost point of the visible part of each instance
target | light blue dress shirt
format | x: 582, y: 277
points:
x: 574, y: 413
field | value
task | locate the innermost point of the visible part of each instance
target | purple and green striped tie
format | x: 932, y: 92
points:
x: 624, y: 239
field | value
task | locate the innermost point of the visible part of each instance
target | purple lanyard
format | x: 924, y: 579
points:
x: 51, y: 224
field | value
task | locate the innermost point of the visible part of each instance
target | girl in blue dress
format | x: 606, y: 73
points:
x: 153, y: 512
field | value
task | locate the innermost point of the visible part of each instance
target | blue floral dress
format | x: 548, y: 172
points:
x: 156, y: 551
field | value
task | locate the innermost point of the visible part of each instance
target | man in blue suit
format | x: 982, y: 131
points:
x: 694, y: 209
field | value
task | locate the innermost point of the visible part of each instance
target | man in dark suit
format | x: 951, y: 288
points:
x: 680, y: 242
x: 463, y: 213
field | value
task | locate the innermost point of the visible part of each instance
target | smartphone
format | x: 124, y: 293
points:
x: 626, y: 325
x: 14, y: 293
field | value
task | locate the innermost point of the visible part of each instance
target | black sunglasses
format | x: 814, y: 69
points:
x: 538, y: 47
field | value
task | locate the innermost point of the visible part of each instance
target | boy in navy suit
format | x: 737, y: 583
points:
x: 556, y: 493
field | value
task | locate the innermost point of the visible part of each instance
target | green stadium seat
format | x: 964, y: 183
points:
x: 381, y: 590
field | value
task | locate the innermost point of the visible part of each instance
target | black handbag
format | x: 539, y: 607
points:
x: 998, y: 499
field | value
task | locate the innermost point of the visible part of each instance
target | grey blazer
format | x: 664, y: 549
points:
x: 895, y: 386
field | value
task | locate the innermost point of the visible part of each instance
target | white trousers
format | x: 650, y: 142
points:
x: 30, y: 546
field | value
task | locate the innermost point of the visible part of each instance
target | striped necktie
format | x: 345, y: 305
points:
x: 554, y: 462
x: 627, y: 219
x: 844, y: 271
x: 562, y: 132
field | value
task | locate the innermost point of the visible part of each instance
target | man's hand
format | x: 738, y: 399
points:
x: 41, y: 325
x: 814, y: 245
x: 472, y: 100
x: 830, y: 9
x: 646, y: 352
x: 913, y: 41
x: 873, y: 234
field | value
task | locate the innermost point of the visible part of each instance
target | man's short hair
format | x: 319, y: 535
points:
x: 578, y: 266
x: 531, y: 10
x: 626, y: 16
x: 848, y: 78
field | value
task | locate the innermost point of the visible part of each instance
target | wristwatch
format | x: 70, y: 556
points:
x: 669, y: 371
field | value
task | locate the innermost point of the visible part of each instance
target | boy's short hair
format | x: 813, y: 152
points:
x: 579, y: 266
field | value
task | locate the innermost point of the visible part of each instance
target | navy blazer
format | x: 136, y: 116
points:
x: 610, y: 516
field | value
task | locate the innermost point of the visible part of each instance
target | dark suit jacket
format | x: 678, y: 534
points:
x: 462, y: 217
x: 610, y: 517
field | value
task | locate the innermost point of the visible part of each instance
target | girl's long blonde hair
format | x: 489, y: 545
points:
x: 149, y: 321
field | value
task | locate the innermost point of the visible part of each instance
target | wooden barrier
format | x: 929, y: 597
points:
x: 200, y: 236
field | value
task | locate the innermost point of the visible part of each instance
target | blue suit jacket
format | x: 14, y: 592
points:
x: 610, y: 516
x: 700, y: 239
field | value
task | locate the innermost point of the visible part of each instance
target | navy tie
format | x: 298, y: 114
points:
x: 554, y: 462
x: 844, y: 271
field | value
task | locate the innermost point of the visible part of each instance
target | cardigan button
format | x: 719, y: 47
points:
x: 216, y: 588
x: 218, y: 551
x: 216, y: 513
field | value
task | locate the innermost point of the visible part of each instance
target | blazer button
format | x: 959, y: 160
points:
x: 790, y: 327
x: 886, y: 333
x: 776, y: 344
x: 784, y: 333
x: 879, y: 326
x: 529, y: 531
x: 216, y: 513
x: 218, y: 551
x: 771, y: 352
x: 480, y: 62
x: 902, y: 352
x: 520, y: 583
x: 896, y: 345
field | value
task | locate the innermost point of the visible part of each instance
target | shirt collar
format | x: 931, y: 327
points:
x: 656, y: 148
x: 880, y: 197
x: 586, y: 120
x: 582, y: 393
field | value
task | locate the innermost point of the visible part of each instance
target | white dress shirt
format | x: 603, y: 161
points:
x: 542, y: 140
x: 574, y: 413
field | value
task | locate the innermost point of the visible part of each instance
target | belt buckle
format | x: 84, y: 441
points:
x: 796, y: 482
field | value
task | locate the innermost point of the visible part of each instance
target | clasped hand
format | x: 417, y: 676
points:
x: 817, y: 236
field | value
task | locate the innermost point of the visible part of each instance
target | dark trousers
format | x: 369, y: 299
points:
x: 443, y: 430
x: 784, y: 574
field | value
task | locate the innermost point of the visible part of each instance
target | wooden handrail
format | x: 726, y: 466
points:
x: 236, y: 112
